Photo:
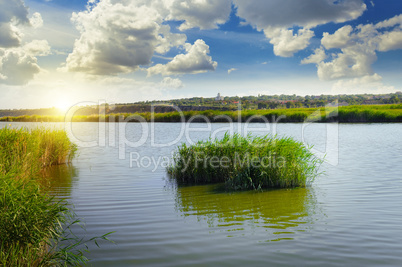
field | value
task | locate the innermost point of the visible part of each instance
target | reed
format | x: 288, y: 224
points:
x: 33, y: 224
x: 24, y: 152
x: 246, y: 163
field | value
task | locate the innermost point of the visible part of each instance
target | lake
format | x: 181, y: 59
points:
x: 351, y: 215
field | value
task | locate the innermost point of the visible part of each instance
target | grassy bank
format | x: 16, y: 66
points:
x: 31, y: 222
x: 345, y: 114
x: 246, y: 163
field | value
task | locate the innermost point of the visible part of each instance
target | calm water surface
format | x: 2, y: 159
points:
x: 351, y: 216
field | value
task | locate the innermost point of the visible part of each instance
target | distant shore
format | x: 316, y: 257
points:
x: 344, y: 114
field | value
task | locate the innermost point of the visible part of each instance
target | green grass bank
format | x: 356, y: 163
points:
x: 344, y: 114
x: 243, y: 163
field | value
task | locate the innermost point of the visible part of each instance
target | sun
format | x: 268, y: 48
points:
x: 63, y: 105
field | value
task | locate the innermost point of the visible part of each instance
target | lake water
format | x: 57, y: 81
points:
x: 350, y: 216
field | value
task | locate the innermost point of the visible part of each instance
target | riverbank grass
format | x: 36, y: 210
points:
x: 244, y: 163
x: 25, y: 152
x: 32, y: 223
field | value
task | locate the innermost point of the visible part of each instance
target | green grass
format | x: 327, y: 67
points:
x: 25, y: 152
x: 374, y: 113
x: 347, y: 114
x: 246, y: 163
x: 34, y: 226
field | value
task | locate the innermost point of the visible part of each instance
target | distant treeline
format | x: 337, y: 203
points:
x: 261, y: 102
x: 344, y: 114
x: 30, y: 112
x: 286, y: 101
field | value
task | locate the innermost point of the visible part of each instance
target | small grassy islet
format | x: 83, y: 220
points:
x: 243, y: 163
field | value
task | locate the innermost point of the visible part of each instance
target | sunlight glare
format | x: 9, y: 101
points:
x: 63, y: 105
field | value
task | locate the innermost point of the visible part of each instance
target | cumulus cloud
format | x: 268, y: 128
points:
x: 339, y: 39
x: 358, y: 50
x: 286, y: 43
x: 119, y: 38
x: 318, y: 56
x: 18, y: 62
x: 204, y: 14
x: 276, y: 17
x: 123, y: 36
x: 12, y: 13
x: 196, y: 60
x: 306, y: 13
x: 173, y: 83
x: 397, y: 20
x: 36, y: 20
x: 353, y: 61
x: 19, y: 65
x: 390, y: 40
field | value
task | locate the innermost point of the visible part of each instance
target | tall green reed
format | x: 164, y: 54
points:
x: 34, y: 226
x: 24, y: 152
x: 246, y: 162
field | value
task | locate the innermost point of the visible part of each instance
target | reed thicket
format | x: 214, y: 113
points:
x: 24, y: 152
x: 246, y: 162
x: 32, y: 223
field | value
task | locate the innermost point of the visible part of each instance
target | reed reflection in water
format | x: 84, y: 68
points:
x: 279, y: 213
x: 59, y: 179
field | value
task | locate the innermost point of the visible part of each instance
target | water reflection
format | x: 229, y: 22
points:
x: 279, y: 212
x: 59, y: 179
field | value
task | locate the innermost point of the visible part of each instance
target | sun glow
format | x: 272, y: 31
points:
x: 63, y: 105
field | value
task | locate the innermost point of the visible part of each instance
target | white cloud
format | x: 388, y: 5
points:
x: 196, y: 60
x: 306, y: 13
x: 19, y: 65
x: 18, y: 62
x: 353, y: 61
x: 390, y: 41
x: 286, y: 43
x: 397, y: 20
x: 37, y: 48
x: 276, y: 17
x: 203, y: 14
x: 318, y: 56
x: 231, y: 70
x: 339, y: 39
x: 358, y: 52
x: 119, y: 38
x: 36, y: 20
x: 12, y: 13
x: 173, y: 83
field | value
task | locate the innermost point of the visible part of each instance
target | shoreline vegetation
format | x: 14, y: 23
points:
x: 343, y: 114
x: 33, y: 223
x: 246, y: 163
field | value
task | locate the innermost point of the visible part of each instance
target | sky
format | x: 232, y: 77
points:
x: 57, y: 53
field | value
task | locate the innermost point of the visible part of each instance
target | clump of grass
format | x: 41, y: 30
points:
x: 24, y: 152
x: 29, y: 219
x: 246, y: 162
x: 32, y: 227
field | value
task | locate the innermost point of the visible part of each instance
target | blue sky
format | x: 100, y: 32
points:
x: 61, y: 52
